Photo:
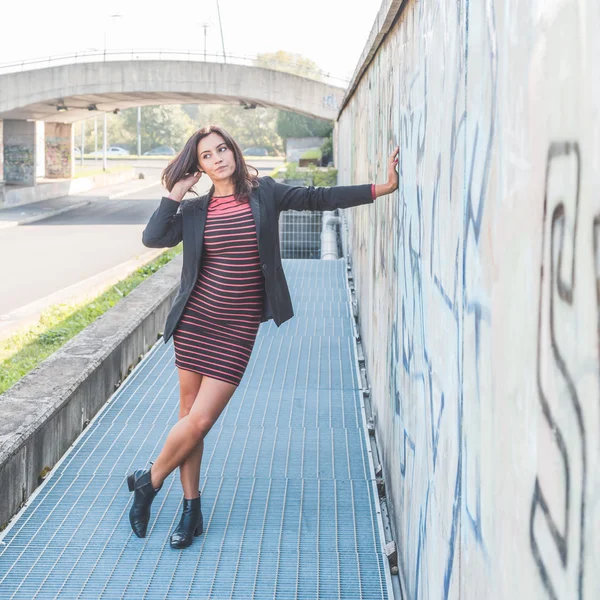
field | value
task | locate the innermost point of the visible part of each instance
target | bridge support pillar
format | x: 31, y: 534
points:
x: 19, y: 151
x: 1, y: 151
x: 59, y: 150
x: 1, y: 162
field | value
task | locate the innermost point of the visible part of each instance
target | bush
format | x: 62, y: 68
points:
x: 327, y: 150
x: 320, y: 176
x: 327, y: 177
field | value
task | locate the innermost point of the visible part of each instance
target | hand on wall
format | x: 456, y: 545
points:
x: 392, y: 182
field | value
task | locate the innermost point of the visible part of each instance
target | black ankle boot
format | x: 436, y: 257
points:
x: 140, y: 483
x: 190, y: 525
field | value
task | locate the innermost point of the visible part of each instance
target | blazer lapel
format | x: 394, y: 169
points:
x: 200, y: 207
x: 255, y: 209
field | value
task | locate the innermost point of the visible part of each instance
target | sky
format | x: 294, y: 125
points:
x: 333, y: 33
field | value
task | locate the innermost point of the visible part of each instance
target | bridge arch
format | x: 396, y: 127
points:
x: 34, y: 94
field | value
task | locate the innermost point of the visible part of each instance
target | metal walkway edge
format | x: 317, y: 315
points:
x: 288, y: 489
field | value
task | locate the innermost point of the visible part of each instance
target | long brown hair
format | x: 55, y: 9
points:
x: 186, y: 164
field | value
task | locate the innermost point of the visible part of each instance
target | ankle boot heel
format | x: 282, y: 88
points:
x: 190, y: 524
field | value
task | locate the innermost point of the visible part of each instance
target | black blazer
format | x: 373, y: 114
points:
x: 175, y: 221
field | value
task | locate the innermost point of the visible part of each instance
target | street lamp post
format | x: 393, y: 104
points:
x: 82, y: 139
x: 105, y: 28
x: 104, y: 144
x: 139, y: 130
x: 205, y: 25
x: 221, y: 28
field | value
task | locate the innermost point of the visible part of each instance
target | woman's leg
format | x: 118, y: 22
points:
x: 189, y: 469
x: 188, y: 431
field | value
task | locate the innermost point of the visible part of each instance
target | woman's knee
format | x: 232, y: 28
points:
x: 185, y: 405
x: 210, y: 402
x: 201, y: 425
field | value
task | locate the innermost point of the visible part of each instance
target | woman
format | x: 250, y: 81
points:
x: 232, y: 280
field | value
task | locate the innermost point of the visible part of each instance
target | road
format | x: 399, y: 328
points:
x: 81, y: 245
x: 62, y: 250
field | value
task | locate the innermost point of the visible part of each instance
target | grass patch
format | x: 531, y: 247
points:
x: 24, y: 351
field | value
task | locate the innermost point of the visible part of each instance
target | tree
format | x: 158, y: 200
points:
x: 171, y: 125
x: 290, y: 124
x: 118, y: 134
x: 249, y: 127
x: 290, y: 63
x: 166, y: 125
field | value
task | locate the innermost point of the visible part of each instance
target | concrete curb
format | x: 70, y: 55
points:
x: 41, y: 216
x: 46, y: 411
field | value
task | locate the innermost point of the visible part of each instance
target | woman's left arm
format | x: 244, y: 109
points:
x: 288, y: 197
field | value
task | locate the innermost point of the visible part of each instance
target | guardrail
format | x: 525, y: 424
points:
x: 90, y: 56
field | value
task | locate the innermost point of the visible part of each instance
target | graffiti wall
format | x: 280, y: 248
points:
x: 479, y: 290
x: 59, y: 150
x: 19, y: 152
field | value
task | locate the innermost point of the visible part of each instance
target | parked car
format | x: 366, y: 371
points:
x: 76, y: 152
x: 254, y: 151
x: 161, y: 151
x: 112, y: 151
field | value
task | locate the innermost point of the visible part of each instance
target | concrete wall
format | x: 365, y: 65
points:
x: 19, y: 151
x: 59, y: 150
x: 479, y: 290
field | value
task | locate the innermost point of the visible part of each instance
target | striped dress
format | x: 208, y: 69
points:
x: 218, y: 327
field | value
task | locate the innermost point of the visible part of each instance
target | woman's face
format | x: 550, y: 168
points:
x: 215, y: 158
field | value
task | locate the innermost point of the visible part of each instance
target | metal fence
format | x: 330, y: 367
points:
x: 300, y: 234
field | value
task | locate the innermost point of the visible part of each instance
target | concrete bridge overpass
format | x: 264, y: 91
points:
x: 35, y: 94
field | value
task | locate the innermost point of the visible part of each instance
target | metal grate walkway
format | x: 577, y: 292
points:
x: 288, y: 496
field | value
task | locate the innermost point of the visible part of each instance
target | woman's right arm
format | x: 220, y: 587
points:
x: 165, y: 227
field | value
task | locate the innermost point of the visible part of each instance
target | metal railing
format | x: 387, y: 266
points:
x: 94, y: 56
